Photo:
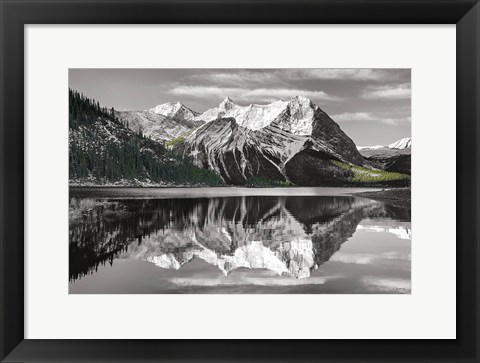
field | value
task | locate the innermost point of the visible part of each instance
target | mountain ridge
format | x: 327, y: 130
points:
x: 175, y: 110
x: 290, y: 142
x: 400, y: 144
x: 264, y: 148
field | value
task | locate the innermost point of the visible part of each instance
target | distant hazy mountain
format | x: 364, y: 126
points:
x: 163, y: 122
x: 154, y: 126
x: 394, y: 157
x: 402, y: 144
x: 175, y: 110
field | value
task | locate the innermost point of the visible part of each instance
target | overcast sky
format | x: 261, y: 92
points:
x: 372, y: 106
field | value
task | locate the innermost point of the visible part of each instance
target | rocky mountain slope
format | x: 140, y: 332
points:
x: 161, y: 123
x: 285, y: 142
x: 174, y: 110
x: 154, y: 126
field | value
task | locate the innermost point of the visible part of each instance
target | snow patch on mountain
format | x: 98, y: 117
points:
x: 370, y: 147
x: 401, y: 144
x: 174, y: 110
x: 295, y: 116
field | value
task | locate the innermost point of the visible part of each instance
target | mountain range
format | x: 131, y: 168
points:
x: 104, y: 150
x: 393, y: 157
x: 402, y: 144
x: 269, y: 141
x: 290, y: 142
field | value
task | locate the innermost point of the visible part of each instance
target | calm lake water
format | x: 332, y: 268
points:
x: 236, y: 240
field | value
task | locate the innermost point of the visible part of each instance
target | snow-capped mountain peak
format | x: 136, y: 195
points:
x: 300, y: 100
x: 404, y: 143
x: 174, y: 110
x: 166, y: 109
x: 253, y: 140
x: 255, y: 117
x: 301, y: 110
x: 295, y: 115
x: 227, y: 104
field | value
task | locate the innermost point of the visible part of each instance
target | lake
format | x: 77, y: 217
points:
x: 236, y: 240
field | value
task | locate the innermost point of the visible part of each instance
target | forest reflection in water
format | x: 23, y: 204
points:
x: 287, y: 236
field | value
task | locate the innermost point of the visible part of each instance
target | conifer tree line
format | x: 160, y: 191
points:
x: 84, y: 111
x: 103, y: 148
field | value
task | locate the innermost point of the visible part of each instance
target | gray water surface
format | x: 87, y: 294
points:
x: 236, y: 240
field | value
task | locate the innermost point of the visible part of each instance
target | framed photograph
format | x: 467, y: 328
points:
x: 240, y: 181
x: 247, y: 197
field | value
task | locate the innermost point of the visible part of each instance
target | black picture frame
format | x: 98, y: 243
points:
x: 15, y: 14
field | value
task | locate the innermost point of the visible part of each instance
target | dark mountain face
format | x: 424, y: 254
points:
x: 399, y: 164
x: 326, y: 130
x: 392, y: 160
x: 313, y: 168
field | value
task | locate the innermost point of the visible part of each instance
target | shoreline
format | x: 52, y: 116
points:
x: 398, y: 197
x: 189, y: 192
x: 140, y: 185
x: 401, y: 197
x: 293, y: 187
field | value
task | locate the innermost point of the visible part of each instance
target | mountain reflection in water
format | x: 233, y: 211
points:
x: 291, y: 236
